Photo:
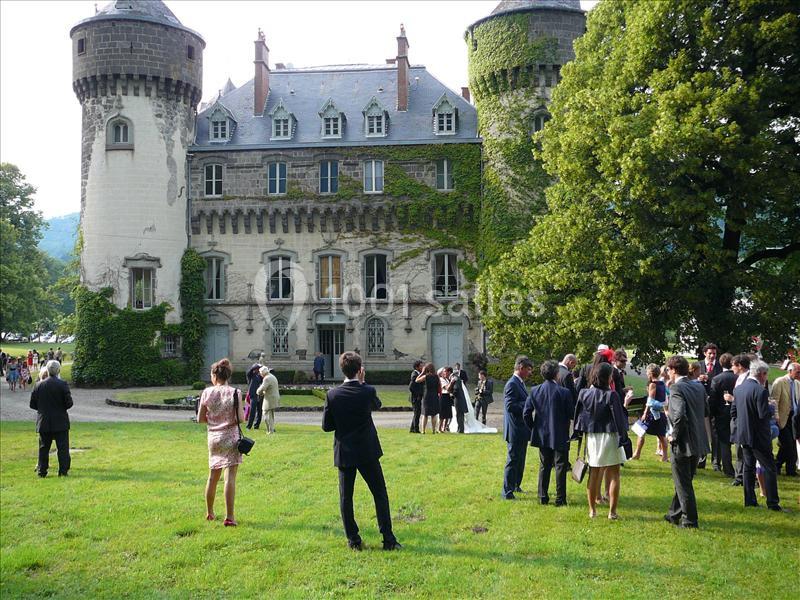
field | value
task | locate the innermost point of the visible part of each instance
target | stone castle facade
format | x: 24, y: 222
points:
x: 322, y: 199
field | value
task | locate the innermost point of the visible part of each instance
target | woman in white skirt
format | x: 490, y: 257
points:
x: 599, y: 415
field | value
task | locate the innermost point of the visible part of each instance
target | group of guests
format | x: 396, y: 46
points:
x: 683, y: 401
x: 18, y: 370
x: 263, y: 396
x: 435, y: 393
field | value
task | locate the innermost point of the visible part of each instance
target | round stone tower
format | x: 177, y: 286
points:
x: 515, y: 59
x: 137, y: 73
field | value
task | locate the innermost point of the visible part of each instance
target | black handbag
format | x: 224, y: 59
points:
x: 627, y: 445
x: 580, y: 467
x: 245, y: 444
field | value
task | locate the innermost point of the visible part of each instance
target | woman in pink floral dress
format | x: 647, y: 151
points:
x: 217, y: 409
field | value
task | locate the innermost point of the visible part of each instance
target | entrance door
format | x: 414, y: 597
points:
x: 331, y: 345
x: 216, y: 347
x: 446, y: 344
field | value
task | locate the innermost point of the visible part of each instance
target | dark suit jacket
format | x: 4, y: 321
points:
x: 751, y: 415
x: 567, y: 379
x: 417, y: 389
x: 600, y: 411
x: 619, y: 381
x: 718, y: 408
x: 348, y: 413
x: 51, y: 399
x: 547, y: 413
x: 688, y: 409
x: 488, y: 390
x: 460, y: 399
x: 514, y: 396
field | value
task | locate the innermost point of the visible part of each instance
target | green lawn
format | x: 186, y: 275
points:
x: 157, y: 396
x: 129, y: 522
x: 21, y: 349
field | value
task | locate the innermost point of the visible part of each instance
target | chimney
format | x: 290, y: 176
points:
x: 402, y: 70
x: 262, y: 74
x: 465, y: 93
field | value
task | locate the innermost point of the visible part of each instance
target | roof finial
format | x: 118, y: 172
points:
x: 95, y: 8
x: 402, y: 30
x: 261, y: 35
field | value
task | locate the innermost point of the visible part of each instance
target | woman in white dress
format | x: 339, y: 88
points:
x: 600, y: 416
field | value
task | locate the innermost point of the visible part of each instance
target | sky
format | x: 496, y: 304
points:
x: 40, y: 117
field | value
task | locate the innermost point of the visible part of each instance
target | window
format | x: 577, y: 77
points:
x: 328, y: 177
x: 445, y: 115
x: 373, y: 176
x: 190, y: 52
x: 81, y: 45
x: 446, y: 276
x: 375, y: 125
x: 170, y: 345
x: 142, y: 288
x: 375, y: 279
x: 280, y: 337
x: 330, y: 277
x: 120, y: 133
x: 213, y: 180
x: 444, y: 123
x: 219, y: 129
x: 280, y: 278
x: 215, y: 274
x: 375, y: 336
x: 276, y: 178
x: 280, y: 128
x: 444, y: 175
x: 539, y: 121
x: 331, y: 127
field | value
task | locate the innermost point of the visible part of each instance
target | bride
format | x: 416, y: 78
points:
x: 471, y: 424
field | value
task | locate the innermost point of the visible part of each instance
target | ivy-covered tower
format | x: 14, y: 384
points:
x: 137, y: 72
x: 515, y: 58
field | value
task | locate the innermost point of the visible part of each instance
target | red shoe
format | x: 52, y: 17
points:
x: 230, y: 523
x: 210, y: 517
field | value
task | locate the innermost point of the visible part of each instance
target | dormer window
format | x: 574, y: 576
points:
x: 220, y: 124
x: 375, y: 119
x: 332, y: 120
x: 282, y: 122
x: 445, y: 117
x: 119, y: 134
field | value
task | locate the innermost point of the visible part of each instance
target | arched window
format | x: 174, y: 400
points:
x: 540, y: 119
x: 375, y: 336
x: 119, y: 134
x: 280, y: 336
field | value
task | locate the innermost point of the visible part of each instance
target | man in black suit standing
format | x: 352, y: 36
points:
x: 417, y: 390
x: 516, y: 433
x: 565, y: 378
x: 51, y: 399
x: 721, y: 412
x: 348, y: 413
x: 547, y: 413
x: 751, y: 414
x: 688, y: 409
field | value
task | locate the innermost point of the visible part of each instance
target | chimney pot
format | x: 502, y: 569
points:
x: 465, y: 93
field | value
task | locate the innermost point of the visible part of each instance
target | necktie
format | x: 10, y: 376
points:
x: 793, y: 395
x: 709, y: 367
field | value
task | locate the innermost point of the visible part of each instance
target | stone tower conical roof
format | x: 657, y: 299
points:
x: 518, y: 5
x: 151, y: 11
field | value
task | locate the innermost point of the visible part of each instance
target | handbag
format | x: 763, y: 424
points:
x: 580, y: 467
x: 627, y: 446
x: 639, y: 428
x: 245, y: 444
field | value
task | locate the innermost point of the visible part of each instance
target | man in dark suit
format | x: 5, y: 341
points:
x: 516, y: 433
x: 319, y: 368
x: 711, y: 368
x: 483, y: 395
x: 348, y: 413
x: 618, y: 374
x: 721, y: 412
x: 51, y: 399
x: 459, y: 399
x: 751, y: 414
x: 565, y: 377
x: 688, y: 409
x: 547, y: 413
x: 416, y: 391
x: 254, y: 381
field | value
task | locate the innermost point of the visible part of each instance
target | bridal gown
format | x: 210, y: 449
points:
x: 471, y: 424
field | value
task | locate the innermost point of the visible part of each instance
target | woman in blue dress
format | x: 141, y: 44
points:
x: 654, y: 417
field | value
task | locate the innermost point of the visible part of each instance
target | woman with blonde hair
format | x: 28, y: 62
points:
x: 221, y: 408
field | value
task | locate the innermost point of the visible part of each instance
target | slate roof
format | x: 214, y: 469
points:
x: 151, y: 11
x: 516, y: 6
x: 305, y: 91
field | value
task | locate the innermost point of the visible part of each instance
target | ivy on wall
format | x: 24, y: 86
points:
x: 123, y: 347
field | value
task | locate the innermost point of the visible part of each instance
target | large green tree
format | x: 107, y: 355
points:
x: 24, y: 299
x: 675, y: 209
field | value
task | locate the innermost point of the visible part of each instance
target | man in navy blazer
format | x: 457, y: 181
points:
x: 516, y: 433
x: 547, y: 413
x: 751, y: 416
x: 348, y: 413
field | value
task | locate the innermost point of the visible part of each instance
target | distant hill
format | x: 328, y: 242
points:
x: 59, y: 238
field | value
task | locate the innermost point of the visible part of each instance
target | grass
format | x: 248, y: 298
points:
x: 21, y: 349
x: 129, y: 522
x: 157, y: 396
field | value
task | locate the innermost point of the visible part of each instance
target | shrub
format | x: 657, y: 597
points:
x: 300, y: 377
x: 199, y: 385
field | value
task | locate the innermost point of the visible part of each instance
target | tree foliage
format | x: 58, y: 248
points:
x: 674, y: 209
